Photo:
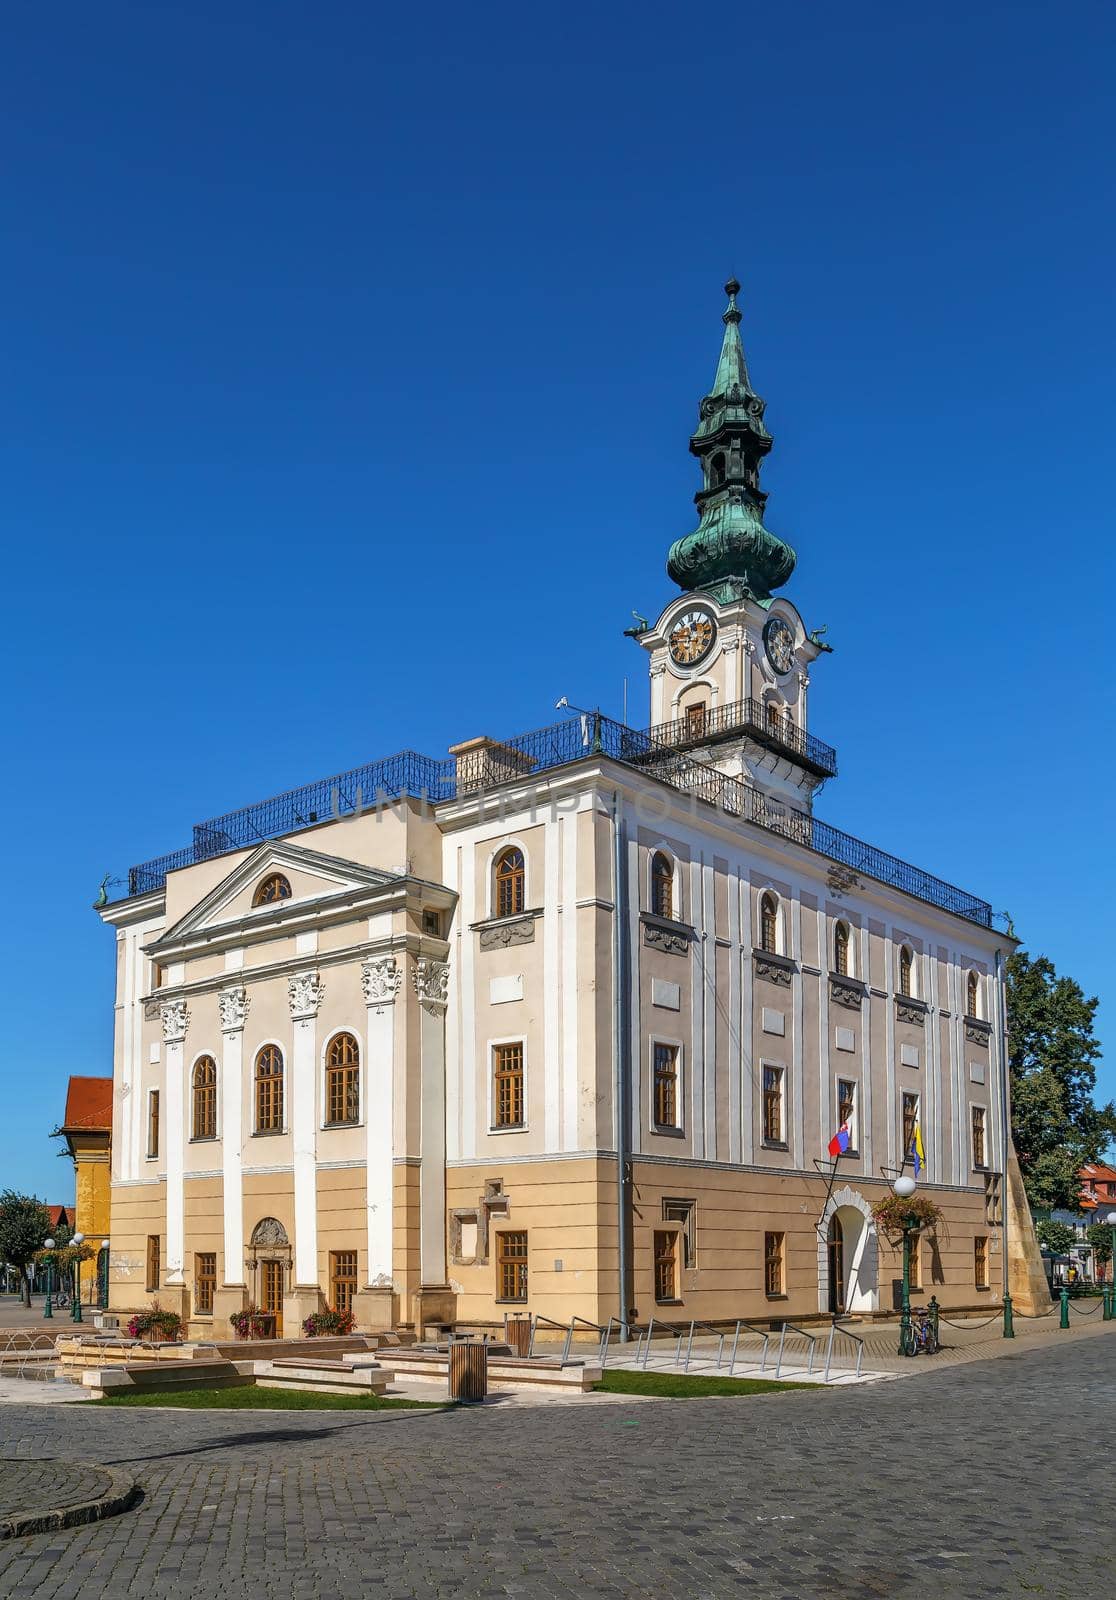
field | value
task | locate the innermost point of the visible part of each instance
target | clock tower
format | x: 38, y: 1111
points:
x: 729, y: 659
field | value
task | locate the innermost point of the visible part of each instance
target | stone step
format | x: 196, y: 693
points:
x: 325, y: 1376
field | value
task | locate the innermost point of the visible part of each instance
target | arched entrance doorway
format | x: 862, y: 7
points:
x: 835, y: 1245
x: 269, y: 1261
x: 847, y: 1256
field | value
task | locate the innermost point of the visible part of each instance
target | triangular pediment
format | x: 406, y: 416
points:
x: 315, y: 880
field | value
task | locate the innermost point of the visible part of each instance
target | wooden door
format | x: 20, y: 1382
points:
x: 271, y: 1292
x: 836, y: 1266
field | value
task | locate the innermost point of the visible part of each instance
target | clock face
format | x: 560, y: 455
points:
x: 778, y: 641
x: 692, y: 637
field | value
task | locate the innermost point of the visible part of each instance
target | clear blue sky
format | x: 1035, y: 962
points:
x: 328, y: 332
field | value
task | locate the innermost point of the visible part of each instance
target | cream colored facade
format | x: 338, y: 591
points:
x: 726, y: 1207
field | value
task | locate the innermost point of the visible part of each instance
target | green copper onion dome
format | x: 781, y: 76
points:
x: 730, y: 554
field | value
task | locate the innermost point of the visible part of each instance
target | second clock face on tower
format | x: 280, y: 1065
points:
x: 778, y: 641
x: 692, y: 637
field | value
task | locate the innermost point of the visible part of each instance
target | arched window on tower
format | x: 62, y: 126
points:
x: 205, y: 1098
x: 841, y: 949
x: 272, y: 888
x: 509, y: 879
x: 662, y: 885
x: 769, y: 923
x: 342, y: 1082
x: 906, y: 970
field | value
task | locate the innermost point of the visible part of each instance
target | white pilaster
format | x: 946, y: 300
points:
x: 380, y: 979
x: 175, y: 1019
x: 233, y: 1004
x: 431, y: 983
x: 305, y: 992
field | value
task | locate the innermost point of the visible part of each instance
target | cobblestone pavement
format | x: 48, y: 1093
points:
x: 48, y: 1485
x: 963, y: 1482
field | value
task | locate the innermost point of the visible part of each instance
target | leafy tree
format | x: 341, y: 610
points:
x: 1052, y: 1059
x: 24, y: 1224
x: 1099, y: 1235
x: 1056, y: 1236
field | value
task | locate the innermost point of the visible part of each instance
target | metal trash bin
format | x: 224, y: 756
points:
x: 517, y: 1333
x: 468, y: 1369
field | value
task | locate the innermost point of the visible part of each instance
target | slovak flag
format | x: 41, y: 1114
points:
x: 840, y: 1141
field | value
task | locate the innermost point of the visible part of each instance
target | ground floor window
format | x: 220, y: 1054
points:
x: 154, y: 1261
x: 342, y: 1279
x: 773, y: 1263
x: 511, y: 1266
x: 205, y: 1282
x: 683, y: 1211
x: 666, y: 1265
x: 980, y: 1260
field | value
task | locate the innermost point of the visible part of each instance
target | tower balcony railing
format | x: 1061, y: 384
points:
x: 760, y: 722
x: 520, y: 762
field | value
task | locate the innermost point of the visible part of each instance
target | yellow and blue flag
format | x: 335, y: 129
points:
x: 916, y: 1152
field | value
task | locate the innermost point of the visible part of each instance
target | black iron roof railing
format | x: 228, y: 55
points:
x: 760, y: 721
x: 517, y: 761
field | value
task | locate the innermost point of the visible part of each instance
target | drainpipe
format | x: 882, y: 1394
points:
x: 621, y: 1056
x: 1005, y: 1124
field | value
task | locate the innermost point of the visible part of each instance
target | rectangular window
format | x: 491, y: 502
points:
x: 154, y: 1262
x: 910, y: 1119
x: 507, y: 1096
x: 205, y: 1282
x: 773, y: 1105
x: 684, y: 1211
x: 343, y: 1095
x: 342, y: 1279
x: 916, y: 1261
x: 666, y: 1265
x: 846, y: 1108
x: 980, y: 1261
x: 979, y: 1149
x: 153, y: 1123
x: 773, y: 1273
x: 511, y: 1267
x: 665, y: 1088
x: 432, y: 923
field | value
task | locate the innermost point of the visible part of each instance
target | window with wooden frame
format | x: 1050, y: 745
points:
x: 269, y: 1090
x: 773, y: 1081
x: 664, y: 1093
x: 685, y: 1212
x: 841, y: 949
x: 271, y: 889
x: 152, y: 1123
x: 916, y: 1261
x: 158, y: 975
x: 846, y: 1108
x: 978, y: 1118
x: 662, y: 885
x: 509, y: 882
x: 507, y: 1085
x: 511, y: 1267
x: 205, y: 1098
x: 972, y: 995
x: 906, y: 970
x: 695, y: 721
x: 205, y: 1282
x: 666, y: 1265
x: 774, y: 1275
x: 342, y: 1279
x: 769, y: 922
x: 342, y: 1081
x: 980, y: 1261
x: 910, y: 1122
x: 154, y: 1262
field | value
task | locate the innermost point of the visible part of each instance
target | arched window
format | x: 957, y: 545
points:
x: 906, y: 971
x: 274, y: 887
x: 841, y: 949
x: 662, y: 885
x: 342, y: 1084
x: 717, y: 471
x: 509, y: 881
x: 769, y: 923
x: 269, y: 1090
x: 205, y: 1098
x: 972, y: 995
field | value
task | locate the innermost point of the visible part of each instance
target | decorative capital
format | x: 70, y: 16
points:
x: 305, y: 991
x: 380, y: 980
x: 233, y: 1004
x: 431, y: 981
x: 176, y: 1019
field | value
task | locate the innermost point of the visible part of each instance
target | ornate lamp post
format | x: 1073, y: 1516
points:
x: 104, y: 1274
x: 1111, y: 1290
x: 75, y: 1310
x: 904, y: 1186
x: 48, y: 1309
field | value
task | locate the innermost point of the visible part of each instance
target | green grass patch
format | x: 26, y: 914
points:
x: 677, y: 1386
x: 247, y: 1397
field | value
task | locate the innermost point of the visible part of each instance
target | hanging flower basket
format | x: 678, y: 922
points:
x: 897, y: 1213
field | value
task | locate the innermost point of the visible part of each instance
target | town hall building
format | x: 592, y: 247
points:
x: 566, y: 1022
